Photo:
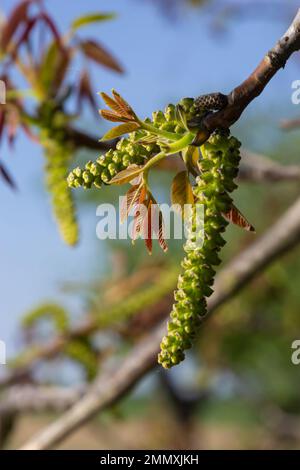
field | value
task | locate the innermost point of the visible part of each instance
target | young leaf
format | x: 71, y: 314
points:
x: 125, y: 128
x: 111, y: 103
x: 237, y: 218
x: 6, y: 176
x: 85, y: 92
x: 111, y: 116
x: 91, y: 18
x: 181, y: 191
x: 191, y: 158
x: 159, y: 230
x: 147, y: 228
x: 96, y: 52
x: 180, y: 115
x: 54, y: 66
x: 140, y: 213
x: 18, y: 16
x: 125, y: 176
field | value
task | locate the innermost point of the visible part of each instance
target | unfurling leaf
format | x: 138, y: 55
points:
x: 91, y: 18
x: 159, y: 230
x: 122, y: 103
x: 54, y: 66
x: 125, y: 128
x: 237, y: 218
x: 96, y: 52
x: 111, y: 116
x: 18, y: 16
x: 181, y: 191
x: 125, y: 176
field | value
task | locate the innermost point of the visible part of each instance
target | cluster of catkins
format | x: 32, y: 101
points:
x: 219, y: 166
x: 106, y: 166
x: 58, y: 153
x: 132, y: 150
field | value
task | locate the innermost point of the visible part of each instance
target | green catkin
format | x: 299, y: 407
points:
x: 58, y: 155
x: 219, y: 167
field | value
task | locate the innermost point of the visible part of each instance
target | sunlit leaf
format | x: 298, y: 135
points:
x: 120, y: 130
x: 91, y: 18
x: 237, y: 218
x: 126, y: 175
x: 181, y: 191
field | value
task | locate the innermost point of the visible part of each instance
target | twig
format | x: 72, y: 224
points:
x: 241, y: 96
x: 281, y: 237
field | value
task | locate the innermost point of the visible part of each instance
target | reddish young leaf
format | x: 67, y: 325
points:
x: 29, y: 133
x: 6, y: 177
x: 24, y: 36
x: 113, y: 117
x: 140, y: 213
x: 52, y: 26
x: 159, y: 230
x: 147, y: 228
x: 13, y: 120
x: 85, y: 92
x: 181, y: 191
x: 96, y: 52
x: 16, y: 18
x: 122, y: 129
x: 126, y: 108
x: 237, y: 218
x: 130, y: 199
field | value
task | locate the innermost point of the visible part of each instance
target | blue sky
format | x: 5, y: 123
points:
x: 164, y: 60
